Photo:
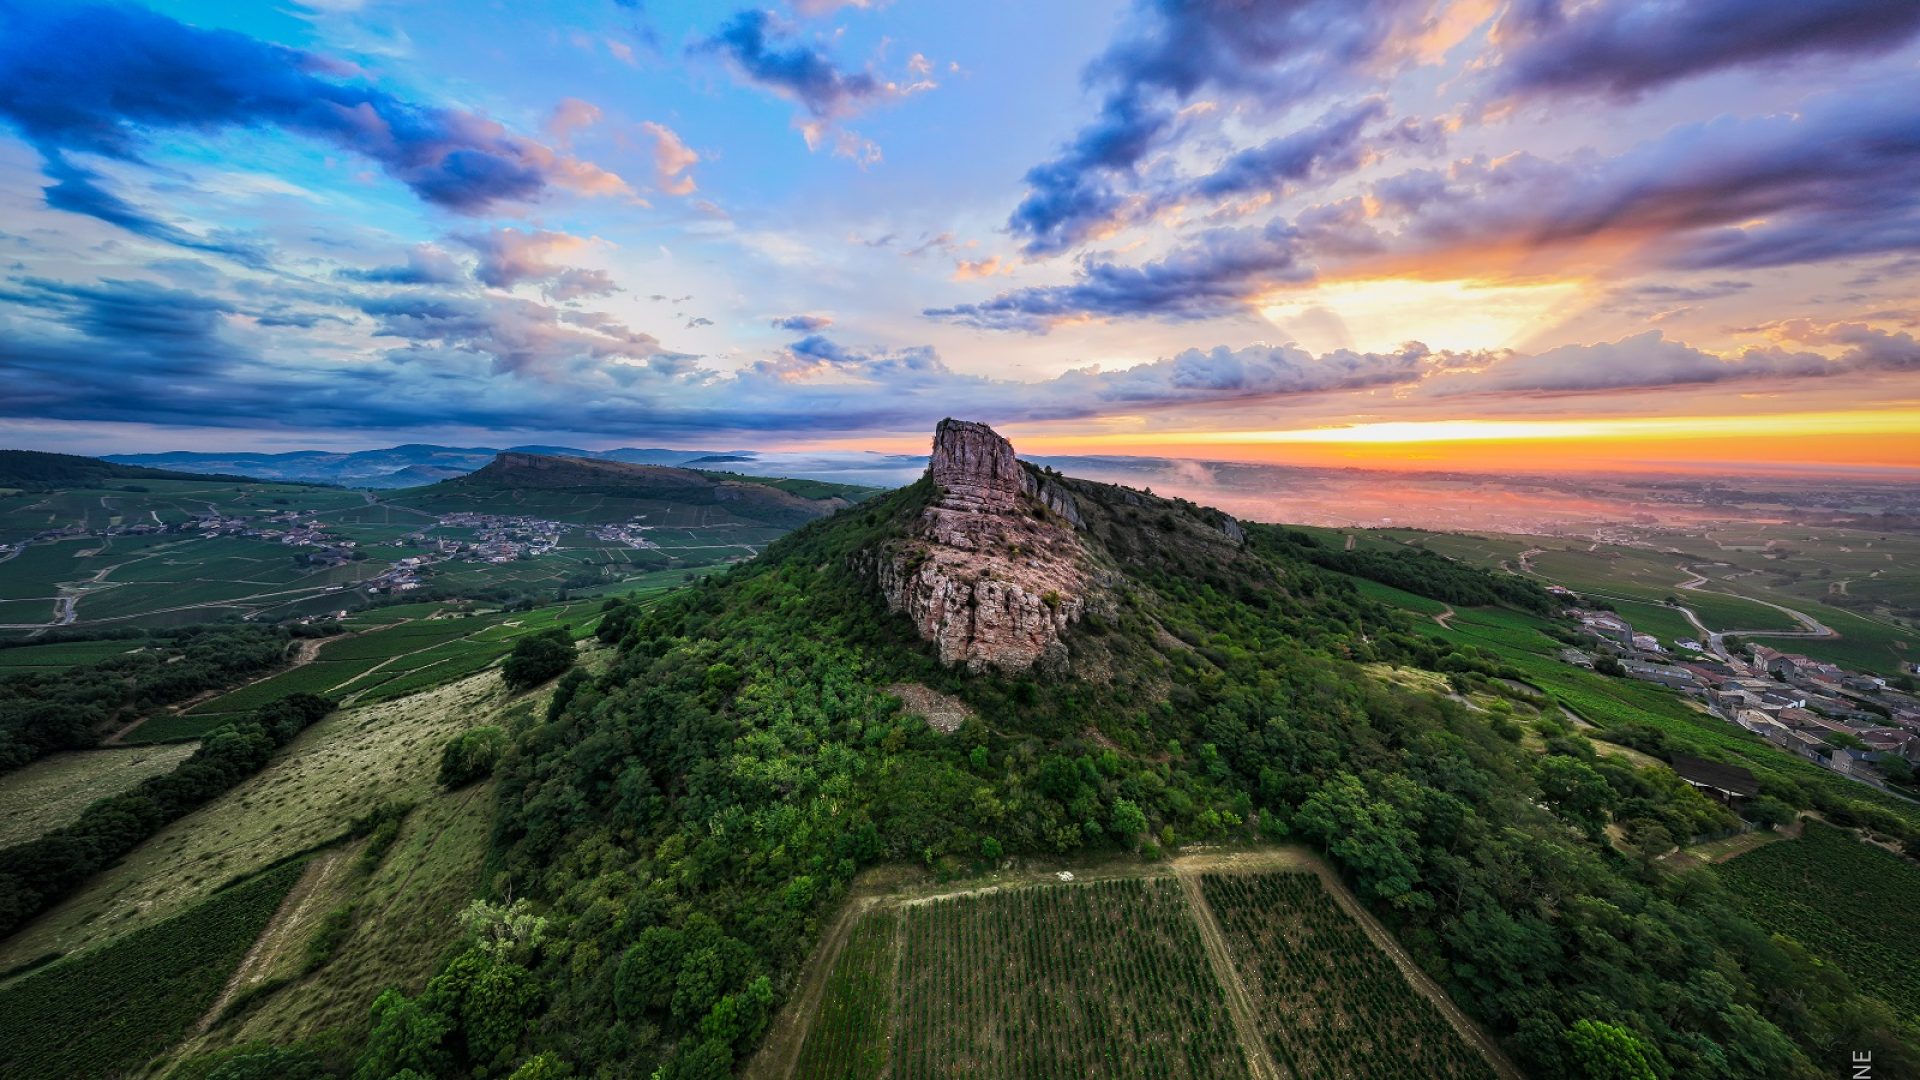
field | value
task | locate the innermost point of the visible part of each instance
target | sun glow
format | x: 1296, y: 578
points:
x: 1380, y: 314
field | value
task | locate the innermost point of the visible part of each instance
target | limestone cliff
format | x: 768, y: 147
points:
x: 993, y: 572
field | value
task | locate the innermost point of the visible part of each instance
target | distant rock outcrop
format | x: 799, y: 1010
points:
x: 993, y: 573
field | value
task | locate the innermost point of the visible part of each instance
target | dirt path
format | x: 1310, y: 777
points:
x: 1246, y: 1020
x: 283, y: 931
x: 1441, y: 617
x: 780, y: 1053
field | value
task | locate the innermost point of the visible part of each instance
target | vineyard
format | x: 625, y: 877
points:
x: 1851, y: 903
x: 107, y: 1011
x: 1330, y: 1003
x: 849, y: 1035
x: 1103, y: 979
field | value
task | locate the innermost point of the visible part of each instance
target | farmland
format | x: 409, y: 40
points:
x: 1122, y: 973
x: 849, y: 1036
x: 334, y: 771
x: 51, y: 792
x: 107, y: 1011
x: 1330, y: 1004
x: 1103, y: 979
x: 1855, y: 905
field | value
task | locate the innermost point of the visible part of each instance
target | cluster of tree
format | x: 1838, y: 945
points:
x: 538, y: 657
x: 36, y: 874
x: 685, y: 820
x: 69, y: 710
x: 1417, y: 570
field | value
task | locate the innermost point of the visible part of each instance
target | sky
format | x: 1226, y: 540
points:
x: 1533, y: 234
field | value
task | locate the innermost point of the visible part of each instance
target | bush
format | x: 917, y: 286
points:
x: 537, y: 658
x: 470, y: 756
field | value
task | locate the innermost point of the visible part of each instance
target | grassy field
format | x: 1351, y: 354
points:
x: 1330, y: 1003
x: 108, y: 1011
x: 849, y: 1036
x: 331, y: 773
x: 404, y: 916
x: 1103, y: 979
x: 51, y: 792
x: 1853, y: 904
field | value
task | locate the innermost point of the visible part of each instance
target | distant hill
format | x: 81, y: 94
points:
x: 34, y: 470
x: 403, y: 466
x: 533, y: 483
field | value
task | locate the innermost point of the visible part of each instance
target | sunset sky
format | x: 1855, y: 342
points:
x: 1493, y: 235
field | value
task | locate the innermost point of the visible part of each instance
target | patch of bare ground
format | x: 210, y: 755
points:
x: 942, y: 712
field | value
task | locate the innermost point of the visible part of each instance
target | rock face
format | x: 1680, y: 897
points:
x: 994, y: 573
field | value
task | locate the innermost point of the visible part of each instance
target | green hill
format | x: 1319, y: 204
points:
x: 520, y: 483
x: 34, y: 470
x: 773, y: 749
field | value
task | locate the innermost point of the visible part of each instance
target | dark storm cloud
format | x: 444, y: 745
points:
x: 100, y: 78
x: 790, y: 68
x: 1275, y: 51
x: 1626, y: 47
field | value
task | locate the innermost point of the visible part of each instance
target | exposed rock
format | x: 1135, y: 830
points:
x: 994, y: 573
x: 974, y: 468
x: 943, y: 712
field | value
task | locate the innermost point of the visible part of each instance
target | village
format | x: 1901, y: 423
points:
x: 1860, y: 726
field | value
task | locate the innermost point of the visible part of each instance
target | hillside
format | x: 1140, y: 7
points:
x: 1008, y: 773
x: 34, y: 470
x: 387, y: 467
x: 729, y: 496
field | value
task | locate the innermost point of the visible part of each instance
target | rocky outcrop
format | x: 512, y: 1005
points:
x: 994, y: 573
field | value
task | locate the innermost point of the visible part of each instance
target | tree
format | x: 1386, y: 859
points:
x: 470, y: 756
x: 1604, y: 1051
x: 1769, y: 812
x: 1576, y: 792
x: 1129, y: 820
x: 406, y: 1035
x: 537, y: 658
x: 1367, y: 835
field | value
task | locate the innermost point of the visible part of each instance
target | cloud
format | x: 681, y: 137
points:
x: 79, y: 190
x: 101, y: 78
x: 425, y: 265
x: 802, y: 324
x: 671, y: 160
x: 569, y: 116
x: 1332, y: 144
x: 516, y: 336
x: 796, y: 71
x: 1624, y: 48
x: 1274, y: 52
x: 510, y: 257
x: 1215, y: 273
x: 1839, y: 179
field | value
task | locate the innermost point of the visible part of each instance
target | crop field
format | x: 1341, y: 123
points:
x: 331, y: 773
x: 848, y: 1040
x: 62, y: 655
x: 51, y: 792
x: 1102, y: 979
x: 1330, y: 1003
x: 1853, y: 904
x: 108, y: 1011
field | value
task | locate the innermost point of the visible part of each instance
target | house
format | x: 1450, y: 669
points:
x: 1726, y: 783
x: 1577, y: 658
x: 1672, y: 677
